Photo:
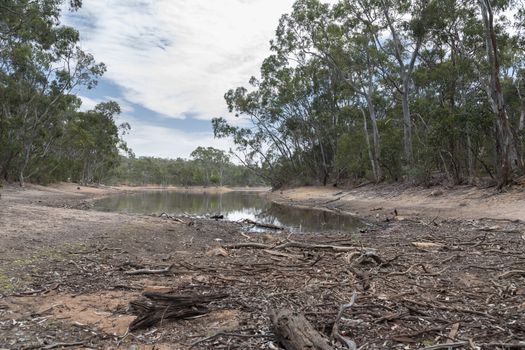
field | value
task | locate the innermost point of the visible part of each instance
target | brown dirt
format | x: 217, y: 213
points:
x: 460, y: 202
x: 63, y: 272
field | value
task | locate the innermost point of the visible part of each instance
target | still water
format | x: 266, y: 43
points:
x: 233, y: 205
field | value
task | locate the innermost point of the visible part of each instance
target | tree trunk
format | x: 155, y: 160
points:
x: 470, y: 158
x: 294, y: 332
x: 375, y: 139
x: 369, y: 147
x: 505, y: 145
x: 407, y: 124
x: 522, y: 119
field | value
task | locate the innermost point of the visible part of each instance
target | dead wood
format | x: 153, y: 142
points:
x: 62, y: 345
x: 35, y: 292
x: 448, y: 346
x: 263, y: 225
x: 247, y: 245
x: 350, y: 344
x: 171, y: 218
x: 162, y: 307
x: 231, y: 335
x: 512, y: 273
x: 294, y: 332
x: 506, y: 346
x: 367, y: 256
x: 149, y: 271
x: 303, y: 245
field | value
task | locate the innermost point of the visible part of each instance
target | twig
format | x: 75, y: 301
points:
x: 303, y: 245
x: 448, y: 346
x: 34, y: 292
x: 62, y: 345
x: 247, y: 245
x: 224, y: 334
x: 149, y: 272
x: 350, y: 344
x: 263, y: 225
x: 512, y: 273
x: 506, y: 346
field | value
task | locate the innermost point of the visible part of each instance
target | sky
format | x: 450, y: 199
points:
x: 171, y: 61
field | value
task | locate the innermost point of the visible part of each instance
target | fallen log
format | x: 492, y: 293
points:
x: 171, y: 217
x: 294, y: 332
x: 262, y: 225
x: 301, y: 245
x: 247, y: 245
x: 161, y: 307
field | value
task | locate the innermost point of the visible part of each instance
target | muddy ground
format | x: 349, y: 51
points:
x: 422, y: 278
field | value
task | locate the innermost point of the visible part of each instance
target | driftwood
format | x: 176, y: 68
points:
x: 230, y: 335
x: 149, y: 271
x: 294, y: 332
x: 448, y: 346
x: 350, y: 344
x: 62, y: 345
x: 301, y: 245
x: 262, y: 225
x: 512, y: 273
x: 160, y: 307
x: 171, y: 217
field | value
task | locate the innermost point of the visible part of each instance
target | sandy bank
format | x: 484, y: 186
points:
x: 461, y: 202
x: 65, y: 274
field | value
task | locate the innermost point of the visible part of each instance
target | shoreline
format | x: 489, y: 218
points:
x: 66, y: 273
x: 381, y: 202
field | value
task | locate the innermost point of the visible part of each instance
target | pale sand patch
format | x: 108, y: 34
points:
x: 95, y: 310
x: 462, y: 202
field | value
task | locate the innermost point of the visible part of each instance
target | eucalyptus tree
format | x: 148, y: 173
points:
x: 315, y: 31
x: 212, y: 160
x: 41, y: 64
x: 508, y: 159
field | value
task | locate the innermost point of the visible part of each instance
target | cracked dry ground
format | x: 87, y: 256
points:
x: 63, y: 280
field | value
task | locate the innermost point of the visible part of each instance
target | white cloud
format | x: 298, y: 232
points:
x: 88, y: 103
x: 167, y: 142
x: 179, y: 56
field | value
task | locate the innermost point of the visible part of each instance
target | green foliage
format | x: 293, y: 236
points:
x: 395, y: 90
x: 43, y: 136
x: 182, y: 172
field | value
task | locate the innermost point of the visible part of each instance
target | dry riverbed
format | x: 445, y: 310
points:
x: 438, y: 272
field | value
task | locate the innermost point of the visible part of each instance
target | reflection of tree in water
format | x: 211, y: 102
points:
x: 234, y: 205
x: 181, y: 203
x: 307, y: 219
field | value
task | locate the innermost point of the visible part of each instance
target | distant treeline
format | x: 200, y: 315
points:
x: 209, y: 167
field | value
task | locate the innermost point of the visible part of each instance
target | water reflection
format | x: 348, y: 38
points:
x: 233, y: 205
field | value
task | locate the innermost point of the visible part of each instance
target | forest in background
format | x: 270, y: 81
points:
x: 207, y: 167
x: 45, y: 137
x: 423, y: 91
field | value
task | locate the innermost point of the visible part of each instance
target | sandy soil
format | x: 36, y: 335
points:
x: 461, y: 202
x: 64, y: 271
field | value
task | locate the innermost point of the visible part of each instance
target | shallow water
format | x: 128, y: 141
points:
x: 233, y: 205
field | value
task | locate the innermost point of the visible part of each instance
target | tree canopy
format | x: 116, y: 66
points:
x: 43, y: 135
x: 423, y: 91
